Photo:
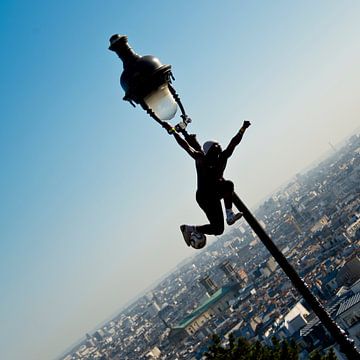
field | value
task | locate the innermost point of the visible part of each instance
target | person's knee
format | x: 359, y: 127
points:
x: 229, y: 186
x: 218, y: 229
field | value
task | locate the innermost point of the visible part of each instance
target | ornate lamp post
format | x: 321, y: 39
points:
x: 147, y: 82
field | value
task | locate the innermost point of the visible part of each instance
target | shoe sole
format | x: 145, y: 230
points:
x: 185, y: 234
x: 236, y: 218
x: 197, y: 236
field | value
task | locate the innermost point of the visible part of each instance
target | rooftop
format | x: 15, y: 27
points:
x: 315, y: 321
x: 347, y: 304
x: 206, y: 305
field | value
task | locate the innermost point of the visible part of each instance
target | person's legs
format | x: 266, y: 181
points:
x: 226, y: 190
x: 210, y: 203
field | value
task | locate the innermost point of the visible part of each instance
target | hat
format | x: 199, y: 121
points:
x: 208, y: 145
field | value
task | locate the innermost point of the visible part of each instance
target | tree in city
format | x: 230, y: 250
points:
x: 329, y: 356
x: 242, y: 349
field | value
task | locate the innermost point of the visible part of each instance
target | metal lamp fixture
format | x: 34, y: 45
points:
x: 147, y: 82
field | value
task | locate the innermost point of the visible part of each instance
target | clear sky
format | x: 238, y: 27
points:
x: 92, y: 191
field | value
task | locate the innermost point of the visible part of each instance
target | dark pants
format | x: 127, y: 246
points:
x: 210, y: 203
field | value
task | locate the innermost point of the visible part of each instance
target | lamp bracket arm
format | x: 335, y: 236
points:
x: 181, y: 127
x: 177, y: 99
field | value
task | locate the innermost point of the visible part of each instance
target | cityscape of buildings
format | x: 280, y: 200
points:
x: 235, y: 286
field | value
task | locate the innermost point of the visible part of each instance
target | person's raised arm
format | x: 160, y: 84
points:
x: 235, y: 141
x: 192, y: 152
x: 192, y: 141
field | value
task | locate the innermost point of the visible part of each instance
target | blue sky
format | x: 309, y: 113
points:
x: 92, y: 191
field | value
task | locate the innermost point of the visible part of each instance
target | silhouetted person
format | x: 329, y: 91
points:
x: 210, y: 163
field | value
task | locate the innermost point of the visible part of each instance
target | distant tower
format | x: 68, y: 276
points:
x: 296, y: 214
x: 290, y: 219
x: 229, y: 271
x: 153, y: 309
x: 90, y: 340
x: 152, y: 298
x: 99, y: 335
x: 332, y: 146
x: 209, y: 285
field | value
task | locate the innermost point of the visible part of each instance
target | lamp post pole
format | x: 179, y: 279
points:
x: 346, y: 345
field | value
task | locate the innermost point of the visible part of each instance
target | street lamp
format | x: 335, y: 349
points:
x: 148, y: 82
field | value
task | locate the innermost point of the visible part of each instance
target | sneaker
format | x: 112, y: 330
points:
x: 197, y: 240
x: 186, y: 232
x: 232, y: 218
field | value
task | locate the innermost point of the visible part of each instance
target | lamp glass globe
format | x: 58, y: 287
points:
x: 162, y: 103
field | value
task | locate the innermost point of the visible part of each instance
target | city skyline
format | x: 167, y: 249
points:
x: 156, y: 282
x: 81, y: 168
x: 237, y: 287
